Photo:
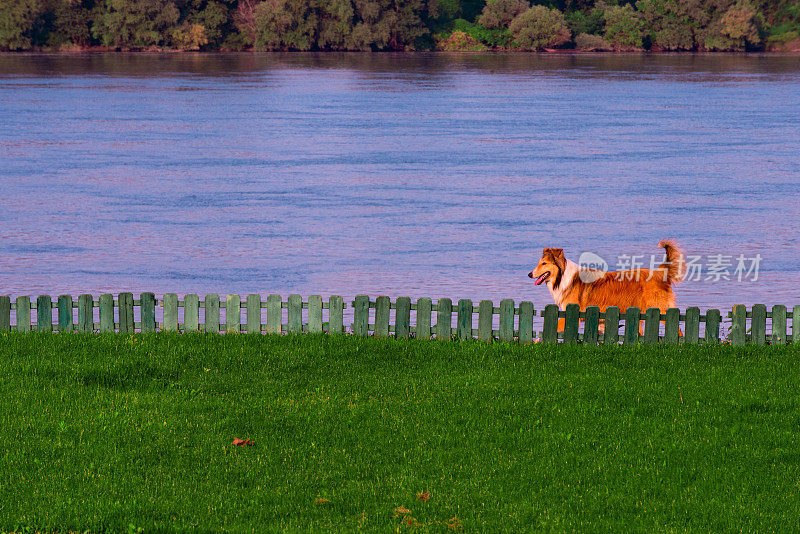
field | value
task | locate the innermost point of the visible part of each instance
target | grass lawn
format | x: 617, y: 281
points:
x: 122, y: 433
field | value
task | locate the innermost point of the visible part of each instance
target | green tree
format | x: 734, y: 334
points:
x: 670, y: 28
x: 134, y: 24
x: 624, y: 27
x: 538, y: 28
x: 286, y: 25
x: 24, y: 23
x: 335, y: 23
x: 389, y: 24
x: 72, y: 23
x: 500, y: 13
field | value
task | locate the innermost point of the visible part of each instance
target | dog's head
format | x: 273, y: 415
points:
x: 550, y: 267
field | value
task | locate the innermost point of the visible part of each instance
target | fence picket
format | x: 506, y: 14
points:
x: 758, y: 324
x: 106, y: 309
x: 402, y: 317
x: 738, y: 333
x: 253, y: 305
x: 507, y: 320
x: 444, y: 319
x: 5, y: 314
x: 64, y: 314
x: 85, y: 313
x: 424, y: 318
x: 274, y: 314
x: 611, y: 326
x: 692, y: 325
x: 233, y: 313
x: 295, y: 314
x: 336, y: 314
x: 211, y: 303
x: 315, y: 314
x: 191, y: 313
x: 591, y: 325
x: 464, y: 320
x: 485, y: 316
x: 361, y: 315
x: 713, y: 318
x: 147, y: 311
x: 672, y: 326
x: 652, y: 323
x: 632, y: 317
x: 778, y: 324
x: 125, y: 311
x: 526, y: 312
x: 796, y: 324
x: 44, y: 313
x: 170, y: 312
x: 23, y: 314
x: 382, y: 305
x: 571, y: 322
x: 550, y: 328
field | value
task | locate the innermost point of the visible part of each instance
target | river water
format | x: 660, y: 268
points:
x: 427, y: 175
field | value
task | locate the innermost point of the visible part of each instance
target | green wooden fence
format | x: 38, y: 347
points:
x: 401, y: 318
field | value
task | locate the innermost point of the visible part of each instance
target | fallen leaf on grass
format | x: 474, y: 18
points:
x: 401, y: 510
x: 242, y: 442
x: 320, y: 500
x: 424, y: 497
x: 455, y: 524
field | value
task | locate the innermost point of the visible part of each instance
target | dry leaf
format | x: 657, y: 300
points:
x: 242, y: 442
x: 454, y: 524
x: 320, y: 500
x: 401, y: 510
x: 424, y: 497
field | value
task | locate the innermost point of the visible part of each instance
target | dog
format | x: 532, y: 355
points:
x: 643, y: 288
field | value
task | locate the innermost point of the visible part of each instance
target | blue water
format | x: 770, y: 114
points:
x: 419, y: 175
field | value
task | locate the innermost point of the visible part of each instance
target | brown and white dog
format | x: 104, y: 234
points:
x: 643, y: 288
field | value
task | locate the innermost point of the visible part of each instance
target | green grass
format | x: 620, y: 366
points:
x: 118, y: 433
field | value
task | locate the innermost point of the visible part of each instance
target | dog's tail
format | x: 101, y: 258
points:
x: 675, y: 266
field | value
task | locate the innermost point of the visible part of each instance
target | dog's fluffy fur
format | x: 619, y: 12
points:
x: 642, y: 288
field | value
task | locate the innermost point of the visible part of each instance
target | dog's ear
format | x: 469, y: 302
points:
x: 558, y: 257
x: 545, y: 251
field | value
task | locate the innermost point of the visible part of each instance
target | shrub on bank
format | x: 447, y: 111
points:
x: 539, y: 28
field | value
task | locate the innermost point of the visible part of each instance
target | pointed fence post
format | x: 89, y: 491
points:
x: 758, y: 324
x: 464, y: 321
x: 672, y: 326
x: 507, y: 320
x: 796, y: 324
x: 550, y: 328
x: 611, y: 328
x: 382, y: 305
x: 253, y: 305
x: 485, y: 316
x: 336, y: 314
x: 295, y: 314
x: 212, y: 313
x: 713, y: 318
x: 85, y: 313
x: 233, y: 314
x: 778, y: 324
x: 652, y: 322
x: 125, y: 310
x: 444, y: 319
x: 64, y: 314
x: 170, y: 312
x: 191, y: 313
x: 571, y: 321
x: 5, y: 313
x: 591, y: 325
x: 44, y: 313
x: 738, y: 333
x: 632, y: 317
x: 402, y: 318
x: 274, y: 314
x: 361, y: 315
x: 526, y: 313
x: 106, y: 302
x: 315, y: 314
x: 692, y: 325
x: 424, y: 318
x: 23, y: 314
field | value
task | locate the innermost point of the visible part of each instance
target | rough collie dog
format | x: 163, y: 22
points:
x: 643, y: 288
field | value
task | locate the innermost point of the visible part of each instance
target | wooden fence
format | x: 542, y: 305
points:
x: 383, y: 318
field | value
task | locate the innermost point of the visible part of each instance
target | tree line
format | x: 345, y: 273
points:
x: 376, y: 25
